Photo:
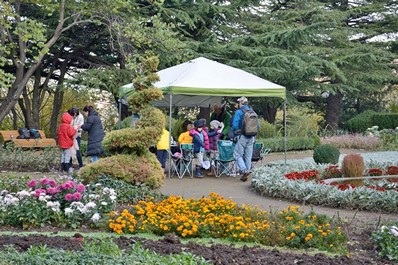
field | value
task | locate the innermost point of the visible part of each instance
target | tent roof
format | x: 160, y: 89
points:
x: 202, y: 77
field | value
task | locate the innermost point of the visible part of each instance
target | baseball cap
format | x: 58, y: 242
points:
x: 242, y: 100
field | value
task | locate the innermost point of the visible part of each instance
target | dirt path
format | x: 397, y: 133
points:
x: 240, y: 192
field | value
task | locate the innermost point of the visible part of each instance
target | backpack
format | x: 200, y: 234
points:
x: 249, y: 123
x: 23, y: 133
x: 34, y: 134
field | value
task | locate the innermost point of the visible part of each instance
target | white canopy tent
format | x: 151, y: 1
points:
x: 202, y: 82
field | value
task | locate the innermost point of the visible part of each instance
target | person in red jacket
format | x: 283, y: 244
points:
x: 65, y: 140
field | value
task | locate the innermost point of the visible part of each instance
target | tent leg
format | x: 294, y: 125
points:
x: 170, y: 131
x: 284, y: 126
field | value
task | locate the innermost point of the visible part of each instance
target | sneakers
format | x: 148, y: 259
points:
x: 245, y: 176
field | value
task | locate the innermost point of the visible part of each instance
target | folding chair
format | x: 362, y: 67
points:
x: 259, y: 151
x: 181, y: 162
x: 224, y: 163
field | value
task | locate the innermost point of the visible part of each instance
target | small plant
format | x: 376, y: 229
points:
x: 326, y: 154
x: 353, y: 166
x: 387, y: 241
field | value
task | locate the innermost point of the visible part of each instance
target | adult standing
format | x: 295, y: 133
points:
x: 77, y: 120
x: 95, y: 131
x: 244, y: 146
x: 222, y: 115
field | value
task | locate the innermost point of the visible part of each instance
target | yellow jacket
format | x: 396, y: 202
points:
x: 185, y: 138
x: 164, y: 141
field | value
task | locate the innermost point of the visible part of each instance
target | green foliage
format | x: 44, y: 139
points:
x: 386, y: 238
x: 361, y: 122
x: 353, y: 166
x: 131, y: 168
x: 18, y: 159
x: 326, y: 154
x: 385, y: 120
x: 293, y: 143
x: 128, y: 193
x: 267, y: 130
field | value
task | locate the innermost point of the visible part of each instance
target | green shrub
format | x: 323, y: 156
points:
x: 292, y: 143
x: 386, y: 120
x: 267, y: 130
x: 137, y: 170
x: 326, y: 154
x: 361, y: 122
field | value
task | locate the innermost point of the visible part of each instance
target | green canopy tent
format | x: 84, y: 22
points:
x: 202, y: 82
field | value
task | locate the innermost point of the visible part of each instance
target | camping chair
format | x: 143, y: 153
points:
x: 181, y: 162
x: 259, y: 151
x: 224, y: 163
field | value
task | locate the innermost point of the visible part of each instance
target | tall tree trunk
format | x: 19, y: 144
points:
x: 333, y: 111
x: 269, y: 113
x: 204, y: 113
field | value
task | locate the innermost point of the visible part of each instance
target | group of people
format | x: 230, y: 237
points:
x: 70, y: 132
x: 223, y: 126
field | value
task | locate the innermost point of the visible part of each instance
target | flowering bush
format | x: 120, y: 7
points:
x: 45, y: 202
x: 386, y: 239
x: 220, y: 218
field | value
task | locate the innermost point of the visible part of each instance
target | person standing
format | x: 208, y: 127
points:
x: 162, y: 146
x: 200, y: 146
x: 244, y: 146
x: 66, y: 134
x: 222, y: 115
x: 93, y: 126
x: 77, y: 120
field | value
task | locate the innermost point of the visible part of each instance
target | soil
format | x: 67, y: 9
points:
x: 362, y: 250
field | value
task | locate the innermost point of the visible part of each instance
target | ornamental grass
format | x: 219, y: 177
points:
x: 216, y: 217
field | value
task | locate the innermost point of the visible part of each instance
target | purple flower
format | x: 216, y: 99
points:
x: 32, y: 183
x: 77, y: 196
x: 44, y: 181
x: 69, y: 197
x: 80, y: 188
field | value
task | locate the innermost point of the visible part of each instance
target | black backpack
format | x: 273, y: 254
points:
x: 249, y: 123
x: 23, y: 133
x: 34, y: 134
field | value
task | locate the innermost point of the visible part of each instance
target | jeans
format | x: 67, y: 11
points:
x: 94, y: 158
x: 162, y: 156
x: 243, y: 152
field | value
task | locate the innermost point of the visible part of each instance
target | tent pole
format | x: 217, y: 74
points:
x: 170, y: 131
x: 284, y: 126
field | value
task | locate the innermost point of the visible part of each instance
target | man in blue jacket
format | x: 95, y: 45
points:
x: 244, y: 146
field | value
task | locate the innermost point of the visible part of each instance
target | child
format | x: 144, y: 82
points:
x: 214, y: 136
x: 185, y: 138
x: 200, y: 145
x: 66, y: 134
x: 162, y: 146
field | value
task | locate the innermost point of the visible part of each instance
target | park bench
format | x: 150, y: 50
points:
x: 10, y: 136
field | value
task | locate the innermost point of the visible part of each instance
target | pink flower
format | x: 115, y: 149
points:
x: 52, y: 190
x: 69, y: 197
x: 80, y: 188
x: 32, y: 183
x: 44, y: 181
x: 77, y: 196
x: 38, y: 192
x: 52, y: 183
x: 69, y: 185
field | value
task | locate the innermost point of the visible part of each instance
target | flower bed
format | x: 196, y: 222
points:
x: 271, y: 181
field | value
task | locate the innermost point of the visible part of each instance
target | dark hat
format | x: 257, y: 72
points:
x: 198, y: 124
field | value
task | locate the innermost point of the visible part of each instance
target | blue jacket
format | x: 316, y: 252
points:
x: 238, y: 117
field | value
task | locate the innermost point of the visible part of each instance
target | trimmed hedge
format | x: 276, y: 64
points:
x: 292, y: 143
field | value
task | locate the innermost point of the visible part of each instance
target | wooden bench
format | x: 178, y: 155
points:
x: 7, y: 135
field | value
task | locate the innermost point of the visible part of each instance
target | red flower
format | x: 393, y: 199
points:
x: 375, y: 172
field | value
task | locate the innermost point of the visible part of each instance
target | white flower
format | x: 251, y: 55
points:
x: 77, y: 204
x: 13, y: 201
x: 68, y: 211
x: 97, y: 197
x: 98, y: 184
x: 91, y: 196
x: 23, y: 193
x: 49, y: 204
x: 95, y: 217
x: 394, y: 231
x: 113, y: 198
x: 3, y: 192
x: 42, y: 198
x: 105, y: 190
x: 83, y: 210
x: 90, y: 205
x: 104, y: 203
x: 54, y: 206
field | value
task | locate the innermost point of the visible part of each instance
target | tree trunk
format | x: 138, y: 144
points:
x: 204, y: 113
x: 269, y: 113
x: 333, y: 111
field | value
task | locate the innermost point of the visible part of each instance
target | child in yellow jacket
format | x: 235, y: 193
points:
x: 162, y: 146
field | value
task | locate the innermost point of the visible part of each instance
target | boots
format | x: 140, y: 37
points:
x: 198, y: 174
x: 62, y: 167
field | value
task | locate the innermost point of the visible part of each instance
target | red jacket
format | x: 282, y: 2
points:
x: 66, y: 132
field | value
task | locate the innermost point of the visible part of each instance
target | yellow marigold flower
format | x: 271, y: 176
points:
x: 288, y: 238
x: 310, y: 235
x: 242, y: 235
x: 307, y: 238
x: 231, y: 227
x: 331, y: 245
x: 320, y: 231
x: 292, y: 234
x: 324, y: 234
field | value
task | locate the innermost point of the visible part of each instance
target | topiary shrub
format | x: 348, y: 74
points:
x: 361, y: 122
x: 326, y: 154
x: 353, y: 166
x: 131, y: 168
